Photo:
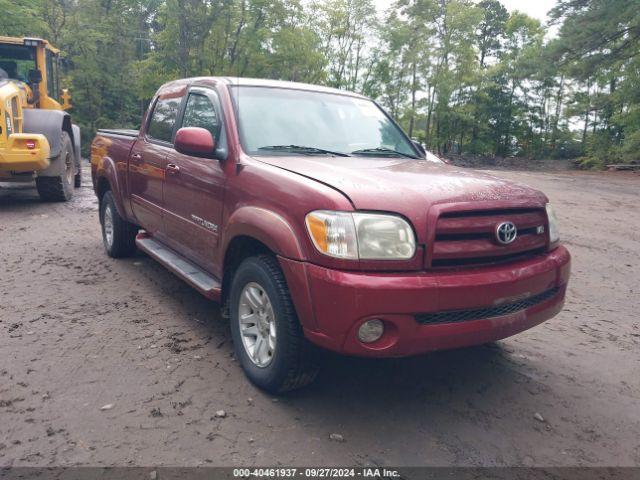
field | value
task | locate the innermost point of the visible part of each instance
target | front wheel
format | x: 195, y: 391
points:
x: 118, y: 235
x: 267, y: 335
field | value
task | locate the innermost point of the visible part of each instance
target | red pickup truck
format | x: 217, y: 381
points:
x: 314, y: 221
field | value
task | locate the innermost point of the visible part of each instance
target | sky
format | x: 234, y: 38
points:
x: 534, y: 8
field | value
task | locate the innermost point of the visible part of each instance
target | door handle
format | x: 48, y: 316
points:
x: 137, y: 157
x: 173, y: 169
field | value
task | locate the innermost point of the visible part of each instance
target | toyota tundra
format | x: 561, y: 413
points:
x: 315, y: 221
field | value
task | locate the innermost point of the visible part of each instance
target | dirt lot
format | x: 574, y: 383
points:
x: 79, y: 331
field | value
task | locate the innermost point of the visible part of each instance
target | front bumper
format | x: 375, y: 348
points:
x: 17, y: 157
x: 332, y: 304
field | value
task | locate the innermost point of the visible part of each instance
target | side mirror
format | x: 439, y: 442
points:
x: 35, y: 77
x: 420, y: 148
x: 194, y: 141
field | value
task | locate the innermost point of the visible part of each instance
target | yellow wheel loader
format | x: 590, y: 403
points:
x: 38, y: 141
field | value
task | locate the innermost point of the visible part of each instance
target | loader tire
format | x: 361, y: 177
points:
x: 59, y: 188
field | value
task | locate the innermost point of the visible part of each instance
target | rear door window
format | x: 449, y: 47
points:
x: 163, y: 119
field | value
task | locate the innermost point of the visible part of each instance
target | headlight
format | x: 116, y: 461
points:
x: 554, y: 234
x: 365, y: 236
x: 383, y: 237
x: 333, y: 233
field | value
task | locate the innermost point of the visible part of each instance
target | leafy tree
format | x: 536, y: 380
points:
x: 462, y: 76
x: 21, y: 18
x: 599, y: 41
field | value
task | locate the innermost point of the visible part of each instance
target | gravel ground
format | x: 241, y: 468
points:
x: 117, y: 362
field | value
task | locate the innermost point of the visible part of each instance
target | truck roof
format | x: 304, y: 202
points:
x: 179, y: 85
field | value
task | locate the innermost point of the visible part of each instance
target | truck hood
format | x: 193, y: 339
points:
x: 406, y: 186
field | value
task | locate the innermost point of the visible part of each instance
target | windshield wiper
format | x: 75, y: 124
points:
x: 299, y: 148
x: 382, y: 150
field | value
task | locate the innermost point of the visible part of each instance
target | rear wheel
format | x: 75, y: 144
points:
x: 118, y: 235
x: 267, y: 335
x: 59, y: 188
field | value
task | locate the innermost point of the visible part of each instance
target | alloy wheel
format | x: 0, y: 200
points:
x: 257, y: 324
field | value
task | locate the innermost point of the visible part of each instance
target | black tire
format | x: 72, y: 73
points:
x: 122, y: 241
x: 59, y: 188
x: 294, y: 363
x: 77, y: 180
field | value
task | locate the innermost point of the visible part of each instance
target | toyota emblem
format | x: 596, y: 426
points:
x: 506, y: 232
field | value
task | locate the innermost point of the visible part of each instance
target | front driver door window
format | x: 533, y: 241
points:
x: 200, y: 112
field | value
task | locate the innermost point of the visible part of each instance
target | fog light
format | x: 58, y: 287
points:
x: 370, y: 331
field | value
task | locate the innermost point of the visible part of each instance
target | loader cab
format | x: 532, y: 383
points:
x: 34, y: 63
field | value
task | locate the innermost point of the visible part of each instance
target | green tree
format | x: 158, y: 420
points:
x: 21, y: 18
x: 463, y: 76
x: 599, y: 41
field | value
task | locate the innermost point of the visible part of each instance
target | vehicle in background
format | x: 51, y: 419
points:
x: 316, y: 222
x: 38, y: 141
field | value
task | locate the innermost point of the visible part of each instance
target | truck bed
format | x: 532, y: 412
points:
x: 111, y: 147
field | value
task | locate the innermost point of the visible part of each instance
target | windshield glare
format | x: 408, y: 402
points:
x: 339, y: 123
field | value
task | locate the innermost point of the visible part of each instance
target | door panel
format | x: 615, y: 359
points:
x: 194, y: 189
x: 146, y: 177
x: 147, y: 165
x: 193, y: 206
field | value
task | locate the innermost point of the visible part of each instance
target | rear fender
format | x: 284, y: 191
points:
x: 106, y: 172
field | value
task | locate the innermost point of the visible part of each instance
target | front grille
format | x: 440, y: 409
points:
x: 481, y: 261
x: 467, y: 238
x: 455, y: 316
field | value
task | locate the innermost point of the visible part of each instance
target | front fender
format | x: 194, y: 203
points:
x: 267, y: 227
x: 273, y: 230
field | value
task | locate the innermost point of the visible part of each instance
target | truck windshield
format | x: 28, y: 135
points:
x: 16, y: 61
x: 277, y: 121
